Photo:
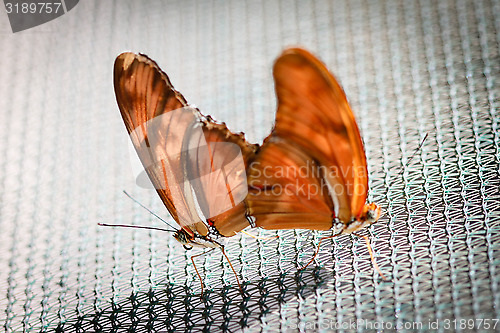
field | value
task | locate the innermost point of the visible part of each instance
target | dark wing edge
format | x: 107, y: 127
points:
x: 143, y: 91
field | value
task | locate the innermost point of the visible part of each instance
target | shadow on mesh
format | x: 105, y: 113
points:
x: 176, y: 308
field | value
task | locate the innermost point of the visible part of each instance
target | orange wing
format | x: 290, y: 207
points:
x: 286, y: 191
x: 314, y: 118
x: 152, y: 111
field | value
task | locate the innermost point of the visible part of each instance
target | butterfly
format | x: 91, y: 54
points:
x: 309, y: 173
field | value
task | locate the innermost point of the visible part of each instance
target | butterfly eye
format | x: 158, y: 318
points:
x: 251, y: 220
x: 181, y: 238
x: 373, y: 213
x: 339, y: 226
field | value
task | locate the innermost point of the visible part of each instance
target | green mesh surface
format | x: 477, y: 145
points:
x: 408, y: 67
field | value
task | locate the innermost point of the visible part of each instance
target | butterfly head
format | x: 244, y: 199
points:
x: 183, y: 237
x: 188, y: 239
x: 369, y: 215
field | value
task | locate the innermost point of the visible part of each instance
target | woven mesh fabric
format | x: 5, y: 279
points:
x: 409, y: 68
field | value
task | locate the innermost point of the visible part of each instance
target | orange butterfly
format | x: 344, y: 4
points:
x: 311, y: 172
x: 197, y: 166
x: 315, y: 132
x: 215, y: 184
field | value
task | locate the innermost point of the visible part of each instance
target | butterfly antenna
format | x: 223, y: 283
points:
x: 149, y: 210
x: 411, y: 158
x: 133, y: 226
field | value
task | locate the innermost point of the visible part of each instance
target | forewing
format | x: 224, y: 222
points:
x: 313, y: 113
x: 143, y: 92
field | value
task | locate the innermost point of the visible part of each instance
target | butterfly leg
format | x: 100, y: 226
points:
x: 257, y: 237
x: 371, y: 255
x: 196, y: 269
x: 317, y: 249
x: 230, y: 264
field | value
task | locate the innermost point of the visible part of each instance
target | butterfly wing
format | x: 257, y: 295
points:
x: 160, y: 122
x: 142, y: 93
x: 217, y: 170
x: 286, y: 191
x: 314, y: 117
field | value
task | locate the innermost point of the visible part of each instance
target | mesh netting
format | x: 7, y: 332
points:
x: 408, y: 67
